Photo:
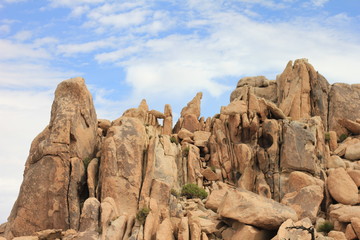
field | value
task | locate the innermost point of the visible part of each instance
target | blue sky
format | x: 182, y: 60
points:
x: 163, y: 51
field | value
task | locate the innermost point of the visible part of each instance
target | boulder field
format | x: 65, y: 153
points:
x: 280, y: 161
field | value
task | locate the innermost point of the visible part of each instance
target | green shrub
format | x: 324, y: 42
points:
x: 186, y: 151
x: 142, y: 214
x: 86, y: 162
x: 174, y: 193
x: 342, y: 137
x: 325, y: 227
x: 173, y: 139
x: 193, y: 191
x: 327, y: 137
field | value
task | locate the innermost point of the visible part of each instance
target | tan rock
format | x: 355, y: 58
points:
x: 258, y: 81
x: 249, y: 233
x: 243, y: 156
x: 341, y: 187
x: 195, y: 229
x: 209, y: 174
x: 337, y: 235
x: 191, y: 123
x: 298, y: 180
x: 201, y: 138
x: 289, y: 230
x: 234, y: 107
x: 344, y: 213
x: 193, y: 107
x: 183, y: 233
x: 305, y: 202
x: 352, y: 126
x: 250, y: 208
x: 355, y: 175
x: 335, y: 161
x: 109, y: 212
x: 121, y: 164
x: 26, y: 238
x: 343, y: 99
x: 215, y: 198
x: 89, y: 220
x: 92, y: 176
x: 165, y: 230
x: 43, y: 199
x: 355, y: 223
x: 353, y: 152
x: 104, y: 124
x: 333, y: 140
x: 157, y: 114
x: 298, y: 149
x: 350, y: 233
x: 168, y: 121
x: 276, y: 112
x: 117, y: 227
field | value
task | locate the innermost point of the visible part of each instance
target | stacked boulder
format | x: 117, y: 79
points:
x: 279, y: 162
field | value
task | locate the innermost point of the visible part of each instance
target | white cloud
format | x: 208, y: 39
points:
x: 10, y: 51
x: 70, y: 49
x: 23, y: 36
x: 4, y: 29
x: 319, y: 3
x: 121, y: 20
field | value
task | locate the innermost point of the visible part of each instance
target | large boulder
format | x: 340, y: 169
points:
x: 343, y: 99
x: 341, y: 187
x: 122, y: 164
x: 250, y: 208
x: 44, y: 201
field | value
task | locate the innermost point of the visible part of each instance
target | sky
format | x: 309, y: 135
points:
x: 163, y: 51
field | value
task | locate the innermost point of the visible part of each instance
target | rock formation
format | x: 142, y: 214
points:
x: 279, y: 162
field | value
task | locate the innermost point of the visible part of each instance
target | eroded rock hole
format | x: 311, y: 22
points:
x: 265, y: 141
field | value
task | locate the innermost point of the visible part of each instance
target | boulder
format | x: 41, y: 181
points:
x: 344, y: 213
x: 193, y: 107
x: 298, y: 149
x: 335, y: 161
x: 353, y: 151
x: 355, y: 175
x: 89, y: 220
x: 117, y: 227
x: 122, y: 163
x: 337, y: 235
x: 209, y: 174
x: 341, y: 187
x: 235, y: 107
x: 248, y: 232
x: 343, y: 99
x: 165, y: 230
x: 216, y: 196
x: 300, y: 230
x: 250, y: 208
x: 355, y: 223
x: 43, y: 200
x: 305, y: 202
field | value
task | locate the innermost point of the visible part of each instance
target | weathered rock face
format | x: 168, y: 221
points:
x: 343, y: 99
x: 122, y: 164
x: 50, y: 193
x: 274, y: 155
x: 250, y: 208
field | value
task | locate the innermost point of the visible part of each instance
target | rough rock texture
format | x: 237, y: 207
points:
x: 281, y: 150
x: 250, y: 208
x: 342, y: 188
x: 54, y: 201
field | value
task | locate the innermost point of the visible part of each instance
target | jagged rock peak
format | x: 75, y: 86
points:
x: 193, y: 107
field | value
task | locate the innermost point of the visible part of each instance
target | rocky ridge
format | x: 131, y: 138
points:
x: 277, y: 163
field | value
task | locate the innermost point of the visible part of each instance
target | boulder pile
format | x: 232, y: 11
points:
x: 280, y: 161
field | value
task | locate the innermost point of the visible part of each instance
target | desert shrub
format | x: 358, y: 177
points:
x: 186, y: 151
x: 174, y: 193
x: 327, y: 137
x: 342, y: 137
x: 193, y: 191
x: 325, y: 227
x: 142, y: 214
x: 173, y: 139
x: 86, y: 162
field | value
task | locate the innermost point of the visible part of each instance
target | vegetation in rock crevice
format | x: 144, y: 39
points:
x: 193, y: 191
